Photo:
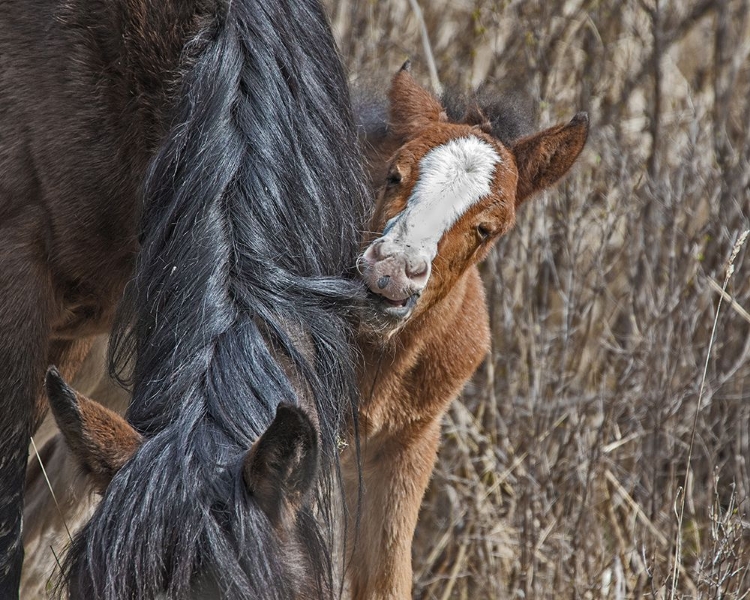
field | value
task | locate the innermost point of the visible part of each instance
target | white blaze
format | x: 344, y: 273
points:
x: 452, y: 178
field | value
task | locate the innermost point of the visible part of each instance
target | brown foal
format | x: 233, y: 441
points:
x: 450, y: 191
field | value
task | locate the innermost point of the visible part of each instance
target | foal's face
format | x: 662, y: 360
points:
x: 449, y: 194
x: 451, y: 191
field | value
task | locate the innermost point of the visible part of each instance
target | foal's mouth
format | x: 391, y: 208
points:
x: 398, y: 309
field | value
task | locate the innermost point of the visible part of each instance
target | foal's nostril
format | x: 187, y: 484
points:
x: 377, y: 250
x: 383, y: 281
x: 419, y: 270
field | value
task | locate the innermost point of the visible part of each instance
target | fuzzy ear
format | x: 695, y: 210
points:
x: 412, y: 107
x: 474, y: 116
x: 281, y: 467
x: 101, y: 440
x: 544, y: 157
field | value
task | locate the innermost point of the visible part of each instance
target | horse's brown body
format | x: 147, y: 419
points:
x: 68, y: 211
x: 89, y: 90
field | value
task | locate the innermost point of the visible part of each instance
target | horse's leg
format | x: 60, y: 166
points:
x: 395, y: 472
x: 25, y: 301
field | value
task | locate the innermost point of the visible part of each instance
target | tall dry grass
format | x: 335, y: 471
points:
x: 563, y: 467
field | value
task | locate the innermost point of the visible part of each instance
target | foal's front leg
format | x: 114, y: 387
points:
x: 396, y: 468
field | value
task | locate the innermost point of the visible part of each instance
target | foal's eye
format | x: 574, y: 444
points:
x: 483, y: 232
x: 394, y: 178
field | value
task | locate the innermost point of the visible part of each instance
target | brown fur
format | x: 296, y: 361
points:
x: 68, y: 211
x: 45, y: 532
x: 414, y: 369
x: 99, y: 438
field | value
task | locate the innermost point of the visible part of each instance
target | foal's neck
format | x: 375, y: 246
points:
x: 435, y: 334
x: 413, y: 376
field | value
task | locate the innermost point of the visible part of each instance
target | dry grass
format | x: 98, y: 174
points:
x: 563, y: 468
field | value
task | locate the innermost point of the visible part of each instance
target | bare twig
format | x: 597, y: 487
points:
x: 51, y: 491
x: 681, y: 513
x: 434, y: 79
x: 732, y: 302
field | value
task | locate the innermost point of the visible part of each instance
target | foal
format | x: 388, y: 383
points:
x: 449, y: 192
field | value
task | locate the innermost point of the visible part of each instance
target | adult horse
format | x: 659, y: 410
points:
x: 224, y: 129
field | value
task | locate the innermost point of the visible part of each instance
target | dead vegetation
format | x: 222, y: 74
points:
x: 564, y: 468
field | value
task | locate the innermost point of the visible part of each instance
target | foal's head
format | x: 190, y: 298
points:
x: 277, y: 473
x: 451, y: 190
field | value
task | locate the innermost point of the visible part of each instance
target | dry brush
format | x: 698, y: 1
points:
x: 564, y: 465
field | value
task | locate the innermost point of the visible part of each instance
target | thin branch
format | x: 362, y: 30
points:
x: 678, y: 542
x: 51, y: 491
x: 434, y: 80
x: 733, y: 303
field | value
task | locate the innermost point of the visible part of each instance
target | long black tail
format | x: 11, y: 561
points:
x: 251, y: 216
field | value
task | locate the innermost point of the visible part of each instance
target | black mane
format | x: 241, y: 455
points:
x: 250, y: 219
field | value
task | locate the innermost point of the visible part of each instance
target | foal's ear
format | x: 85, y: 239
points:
x: 281, y: 467
x: 412, y: 107
x: 100, y: 440
x: 544, y: 157
x: 475, y: 116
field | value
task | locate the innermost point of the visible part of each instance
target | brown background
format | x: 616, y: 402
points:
x: 562, y: 467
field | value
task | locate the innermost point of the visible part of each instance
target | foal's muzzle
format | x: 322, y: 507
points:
x: 396, y: 275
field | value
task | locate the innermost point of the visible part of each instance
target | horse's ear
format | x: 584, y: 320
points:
x: 412, y: 107
x: 281, y: 467
x: 100, y: 440
x: 544, y: 157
